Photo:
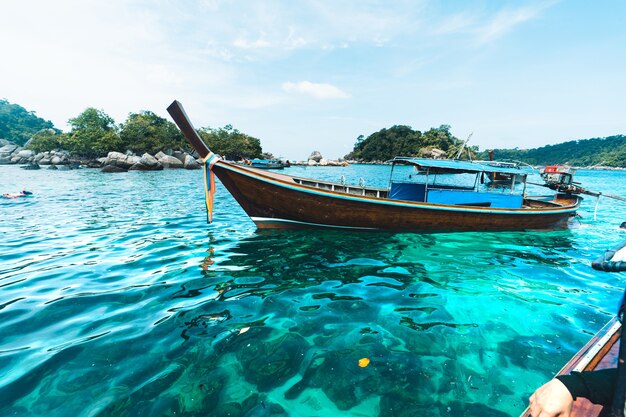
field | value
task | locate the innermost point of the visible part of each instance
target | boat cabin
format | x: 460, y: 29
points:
x: 455, y: 182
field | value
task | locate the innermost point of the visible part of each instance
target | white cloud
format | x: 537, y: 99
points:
x: 506, y: 20
x: 293, y: 41
x: 317, y: 90
x: 482, y: 27
x: 455, y: 24
x: 260, y: 43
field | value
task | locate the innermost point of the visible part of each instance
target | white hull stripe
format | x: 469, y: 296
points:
x: 274, y: 220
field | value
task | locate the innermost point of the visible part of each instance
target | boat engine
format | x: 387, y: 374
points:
x: 561, y: 178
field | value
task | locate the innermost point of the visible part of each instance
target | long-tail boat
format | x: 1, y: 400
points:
x: 429, y: 196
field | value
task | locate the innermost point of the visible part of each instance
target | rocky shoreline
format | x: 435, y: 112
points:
x: 12, y: 154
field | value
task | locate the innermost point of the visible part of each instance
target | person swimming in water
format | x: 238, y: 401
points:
x: 23, y: 193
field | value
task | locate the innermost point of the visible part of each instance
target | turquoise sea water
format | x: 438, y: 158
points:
x: 117, y: 299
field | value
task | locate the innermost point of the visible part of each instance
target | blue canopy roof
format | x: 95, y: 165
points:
x: 453, y: 165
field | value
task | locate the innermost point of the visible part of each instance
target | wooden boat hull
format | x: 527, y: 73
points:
x: 601, y: 352
x: 277, y: 201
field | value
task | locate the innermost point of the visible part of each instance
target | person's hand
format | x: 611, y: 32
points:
x: 552, y: 399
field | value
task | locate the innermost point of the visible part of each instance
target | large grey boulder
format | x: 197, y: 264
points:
x: 168, y: 161
x: 180, y: 155
x: 26, y: 153
x: 147, y: 163
x: 315, y: 156
x: 7, y: 150
x: 121, y: 160
x: 8, y: 154
x: 59, y: 157
x: 190, y: 162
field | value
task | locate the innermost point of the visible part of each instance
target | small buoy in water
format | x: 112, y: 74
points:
x: 363, y: 362
x: 623, y: 225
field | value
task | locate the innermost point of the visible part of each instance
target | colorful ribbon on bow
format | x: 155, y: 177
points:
x: 209, y: 183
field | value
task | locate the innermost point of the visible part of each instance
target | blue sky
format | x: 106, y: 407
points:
x: 314, y: 75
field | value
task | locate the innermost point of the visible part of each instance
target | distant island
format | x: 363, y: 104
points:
x: 94, y: 134
x: 439, y: 142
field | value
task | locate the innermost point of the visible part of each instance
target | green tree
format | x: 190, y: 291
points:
x: 18, y: 125
x: 402, y: 140
x: 93, y: 134
x: 609, y: 151
x: 47, y: 140
x: 231, y: 143
x: 147, y: 132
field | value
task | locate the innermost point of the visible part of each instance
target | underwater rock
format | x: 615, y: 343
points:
x: 336, y: 374
x: 358, y: 310
x: 269, y: 363
x: 526, y: 352
x: 141, y: 401
x: 205, y: 394
x: 113, y: 168
x: 31, y: 167
x: 96, y: 163
x: 459, y: 408
x: 254, y: 406
x: 342, y: 378
x: 392, y: 406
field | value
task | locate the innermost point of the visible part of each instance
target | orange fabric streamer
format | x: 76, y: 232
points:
x: 209, y: 184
